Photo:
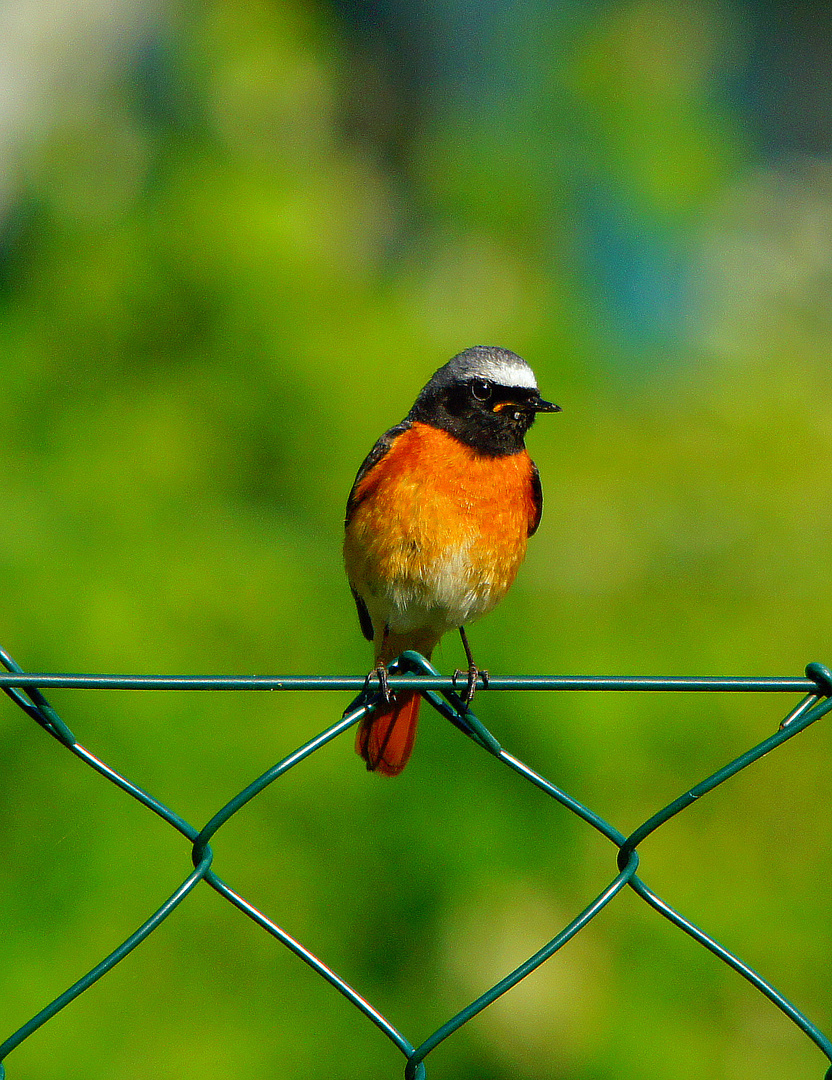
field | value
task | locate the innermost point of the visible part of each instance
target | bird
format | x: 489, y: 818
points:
x: 436, y: 527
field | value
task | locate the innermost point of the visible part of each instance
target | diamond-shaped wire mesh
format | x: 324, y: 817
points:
x: 25, y: 690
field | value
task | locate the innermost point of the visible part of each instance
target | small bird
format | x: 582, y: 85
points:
x: 437, y: 523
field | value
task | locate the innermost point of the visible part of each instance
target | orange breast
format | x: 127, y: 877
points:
x: 439, y: 523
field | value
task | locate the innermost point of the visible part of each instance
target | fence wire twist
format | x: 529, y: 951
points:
x: 412, y: 670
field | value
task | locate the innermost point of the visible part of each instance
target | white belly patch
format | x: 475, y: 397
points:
x: 443, y: 597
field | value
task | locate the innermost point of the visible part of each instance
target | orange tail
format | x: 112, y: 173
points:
x: 385, y: 739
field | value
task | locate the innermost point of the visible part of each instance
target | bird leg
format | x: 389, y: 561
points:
x: 474, y: 674
x: 379, y: 672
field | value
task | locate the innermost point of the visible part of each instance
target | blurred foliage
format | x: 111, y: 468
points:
x: 217, y: 289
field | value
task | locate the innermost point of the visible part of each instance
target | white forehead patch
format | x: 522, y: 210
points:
x: 504, y: 372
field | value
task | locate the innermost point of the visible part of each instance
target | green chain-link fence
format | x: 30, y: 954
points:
x: 412, y: 670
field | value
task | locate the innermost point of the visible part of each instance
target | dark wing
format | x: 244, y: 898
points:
x: 363, y: 616
x: 373, y: 458
x: 537, y: 499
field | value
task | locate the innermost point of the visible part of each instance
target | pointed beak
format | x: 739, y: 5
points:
x: 531, y: 402
x: 539, y: 405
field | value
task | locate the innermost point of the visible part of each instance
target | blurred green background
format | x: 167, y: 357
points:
x: 236, y: 237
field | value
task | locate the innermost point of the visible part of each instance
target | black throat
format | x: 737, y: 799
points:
x: 493, y: 432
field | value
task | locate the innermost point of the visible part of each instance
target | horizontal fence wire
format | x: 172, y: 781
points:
x: 25, y: 689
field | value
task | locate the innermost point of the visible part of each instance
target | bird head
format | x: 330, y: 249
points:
x: 486, y: 397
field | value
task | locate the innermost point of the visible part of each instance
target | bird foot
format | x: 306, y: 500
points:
x: 379, y: 673
x: 473, y: 676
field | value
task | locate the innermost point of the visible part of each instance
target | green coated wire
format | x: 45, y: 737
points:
x: 526, y: 968
x: 806, y: 713
x: 40, y: 710
x: 412, y: 670
x: 710, y: 684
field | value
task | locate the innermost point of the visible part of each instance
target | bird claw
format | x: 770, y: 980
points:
x: 380, y: 674
x: 473, y: 676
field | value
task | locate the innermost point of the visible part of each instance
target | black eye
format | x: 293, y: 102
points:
x: 481, y: 389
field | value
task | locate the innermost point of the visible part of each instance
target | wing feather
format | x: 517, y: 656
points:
x: 537, y: 500
x: 370, y: 461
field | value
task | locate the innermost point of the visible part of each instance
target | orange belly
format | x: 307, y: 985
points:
x: 437, y: 535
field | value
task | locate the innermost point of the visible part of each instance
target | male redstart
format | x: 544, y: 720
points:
x: 437, y: 523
